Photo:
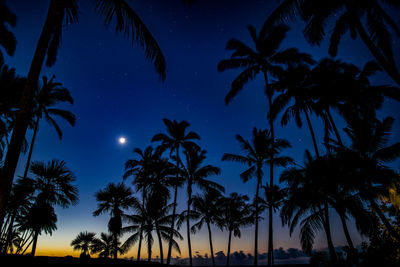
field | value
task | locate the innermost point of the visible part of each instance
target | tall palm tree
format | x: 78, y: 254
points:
x: 50, y: 94
x: 114, y: 199
x: 235, y: 213
x: 267, y: 60
x: 258, y: 153
x: 195, y: 175
x: 84, y: 241
x: 175, y: 138
x: 53, y: 184
x: 60, y: 11
x: 8, y: 41
x: 366, y: 19
x: 205, y: 207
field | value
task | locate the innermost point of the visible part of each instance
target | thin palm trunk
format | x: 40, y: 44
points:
x: 385, y: 64
x: 327, y: 228
x: 140, y: 244
x: 384, y: 220
x: 9, y: 231
x: 34, y: 244
x: 346, y: 230
x: 256, y: 215
x: 312, y: 133
x: 229, y: 248
x: 148, y: 246
x: 173, y: 210
x: 188, y: 222
x: 211, y: 244
x: 28, y: 244
x: 115, y: 241
x: 24, y: 113
x: 332, y: 122
x: 160, y: 244
x: 28, y: 161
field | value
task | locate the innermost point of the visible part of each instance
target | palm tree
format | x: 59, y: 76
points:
x: 51, y: 93
x: 175, y: 138
x: 205, y: 207
x: 60, y: 11
x: 235, y: 213
x: 195, y: 174
x: 114, y: 199
x: 104, y: 245
x: 8, y: 41
x: 265, y: 59
x: 366, y: 19
x: 258, y: 153
x: 53, y: 184
x: 84, y: 241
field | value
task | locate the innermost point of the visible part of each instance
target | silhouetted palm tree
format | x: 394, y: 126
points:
x: 85, y: 242
x: 348, y: 16
x: 104, y: 245
x: 50, y: 94
x: 53, y: 186
x: 235, y: 213
x: 114, y: 199
x: 8, y: 41
x: 60, y: 11
x: 175, y: 138
x: 195, y: 175
x: 206, y: 209
x: 258, y: 153
x: 265, y: 59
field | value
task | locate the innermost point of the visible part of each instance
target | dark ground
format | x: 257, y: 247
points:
x: 27, y: 261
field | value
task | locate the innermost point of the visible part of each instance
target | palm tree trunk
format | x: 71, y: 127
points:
x: 328, y: 112
x: 160, y: 244
x: 188, y: 222
x: 173, y: 210
x: 211, y: 245
x: 115, y: 241
x: 312, y: 134
x: 229, y: 248
x: 384, y: 220
x: 346, y: 231
x: 28, y: 161
x: 271, y: 175
x: 256, y: 214
x: 9, y: 232
x: 148, y: 247
x: 35, y: 238
x: 24, y: 113
x: 140, y: 245
x: 385, y: 63
x: 327, y: 228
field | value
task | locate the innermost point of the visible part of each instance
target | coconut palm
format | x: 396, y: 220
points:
x: 257, y: 154
x: 206, y: 209
x: 104, y: 245
x: 66, y: 11
x: 84, y: 242
x: 195, y: 175
x: 234, y: 213
x: 175, y: 138
x: 8, y: 41
x: 366, y: 19
x: 114, y: 199
x: 267, y: 60
x: 50, y: 94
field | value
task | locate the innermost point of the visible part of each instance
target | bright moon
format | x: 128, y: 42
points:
x: 122, y: 140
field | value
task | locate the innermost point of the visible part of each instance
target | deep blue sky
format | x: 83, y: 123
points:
x: 118, y: 93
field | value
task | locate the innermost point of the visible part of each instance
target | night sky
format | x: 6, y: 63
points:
x: 118, y: 93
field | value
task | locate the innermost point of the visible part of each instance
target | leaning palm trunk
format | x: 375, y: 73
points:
x: 171, y: 236
x: 271, y: 182
x: 346, y: 230
x: 211, y: 245
x: 256, y: 216
x: 140, y: 243
x: 160, y: 244
x: 34, y: 244
x: 327, y: 228
x: 229, y: 248
x: 188, y: 222
x: 28, y: 161
x: 24, y: 113
x: 332, y: 122
x: 312, y: 133
x: 384, y: 220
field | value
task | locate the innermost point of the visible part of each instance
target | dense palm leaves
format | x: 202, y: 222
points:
x: 84, y: 242
x: 127, y: 22
x: 7, y: 38
x: 114, y: 199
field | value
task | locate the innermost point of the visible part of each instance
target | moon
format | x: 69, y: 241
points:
x: 122, y: 140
